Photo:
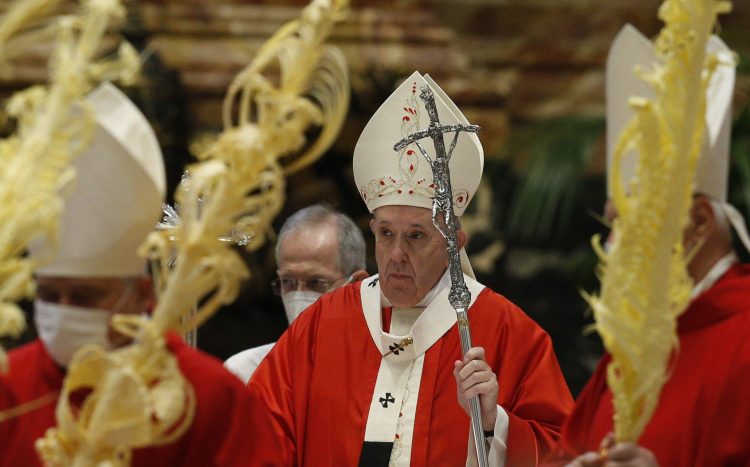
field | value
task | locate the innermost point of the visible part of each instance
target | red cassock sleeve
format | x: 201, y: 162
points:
x: 33, y: 375
x: 272, y: 407
x: 583, y: 430
x: 533, y: 391
x: 278, y: 410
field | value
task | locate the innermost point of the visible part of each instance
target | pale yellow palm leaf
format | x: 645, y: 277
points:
x: 645, y: 285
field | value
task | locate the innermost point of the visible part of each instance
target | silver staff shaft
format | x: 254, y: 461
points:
x: 476, y: 414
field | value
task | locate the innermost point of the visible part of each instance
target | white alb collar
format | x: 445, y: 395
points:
x: 714, y: 274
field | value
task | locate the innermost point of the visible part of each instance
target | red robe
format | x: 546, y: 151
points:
x: 216, y: 437
x: 703, y: 416
x: 317, y: 385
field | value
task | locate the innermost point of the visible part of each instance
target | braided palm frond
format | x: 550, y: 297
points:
x: 37, y: 158
x: 15, y: 25
x: 645, y: 285
x: 313, y: 77
x: 237, y: 185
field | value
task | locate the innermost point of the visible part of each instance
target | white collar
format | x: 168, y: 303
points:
x: 714, y: 274
x: 437, y: 318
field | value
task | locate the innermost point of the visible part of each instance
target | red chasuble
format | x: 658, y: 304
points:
x: 703, y: 416
x: 318, y: 386
x: 216, y: 437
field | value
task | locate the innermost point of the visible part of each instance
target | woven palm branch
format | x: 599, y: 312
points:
x: 22, y: 25
x: 138, y: 396
x: 37, y: 159
x: 645, y: 285
x: 313, y: 76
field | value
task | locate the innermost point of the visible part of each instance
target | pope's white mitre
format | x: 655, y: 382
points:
x: 631, y: 49
x: 385, y: 177
x: 116, y: 197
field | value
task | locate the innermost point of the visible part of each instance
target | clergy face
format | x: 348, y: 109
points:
x: 115, y: 295
x: 410, y: 252
x: 698, y: 236
x: 309, y: 256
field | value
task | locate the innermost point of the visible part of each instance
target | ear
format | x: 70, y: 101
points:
x: 360, y: 275
x: 372, y: 225
x: 702, y: 218
x: 462, y: 238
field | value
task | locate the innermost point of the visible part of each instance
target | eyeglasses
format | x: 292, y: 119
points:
x: 289, y: 284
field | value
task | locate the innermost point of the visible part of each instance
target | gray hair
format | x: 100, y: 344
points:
x: 351, y: 243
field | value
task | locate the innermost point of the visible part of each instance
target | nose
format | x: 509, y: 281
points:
x: 64, y: 299
x: 398, y: 251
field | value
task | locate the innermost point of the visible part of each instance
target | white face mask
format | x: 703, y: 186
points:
x: 296, y: 301
x: 63, y: 329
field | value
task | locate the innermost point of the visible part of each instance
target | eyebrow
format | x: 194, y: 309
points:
x: 387, y: 223
x: 88, y: 290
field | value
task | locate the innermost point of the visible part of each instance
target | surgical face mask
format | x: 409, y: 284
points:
x: 296, y: 301
x: 63, y: 329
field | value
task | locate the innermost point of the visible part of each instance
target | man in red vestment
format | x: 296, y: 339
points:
x: 701, y: 419
x: 96, y: 272
x: 365, y: 375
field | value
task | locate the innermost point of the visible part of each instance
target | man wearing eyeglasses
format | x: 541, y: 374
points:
x: 318, y: 250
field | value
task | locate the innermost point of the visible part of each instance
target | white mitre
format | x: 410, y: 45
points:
x: 385, y: 177
x: 631, y: 49
x: 116, y: 197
